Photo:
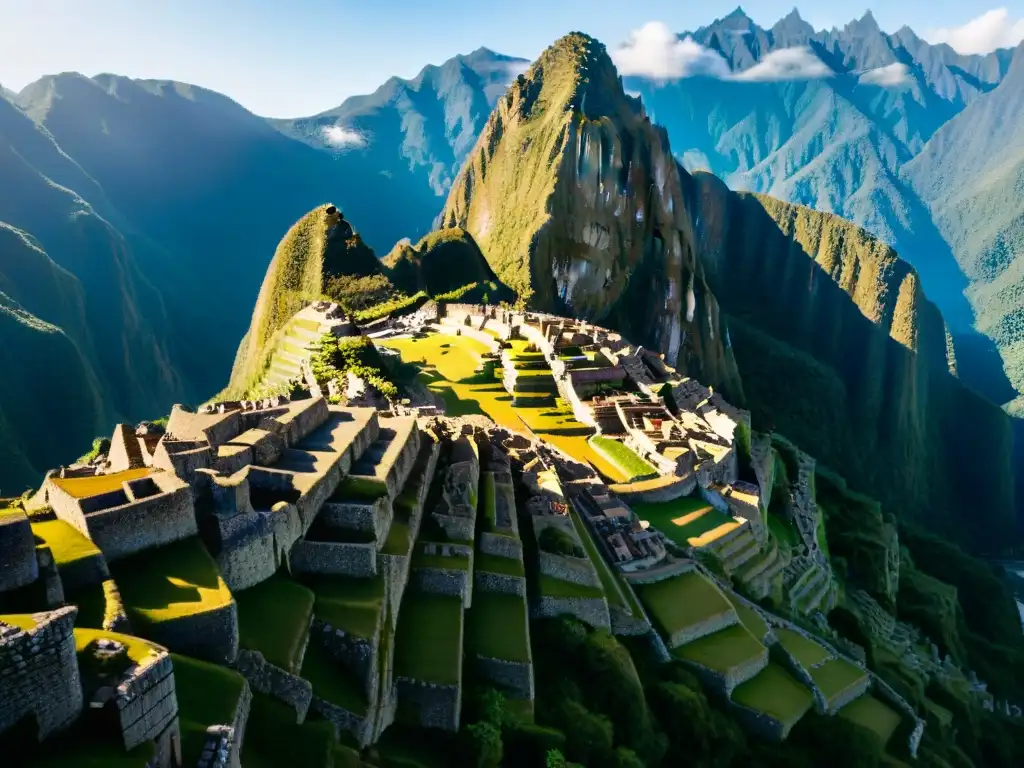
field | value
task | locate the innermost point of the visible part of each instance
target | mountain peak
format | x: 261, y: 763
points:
x: 738, y: 15
x: 865, y: 25
x: 793, y: 28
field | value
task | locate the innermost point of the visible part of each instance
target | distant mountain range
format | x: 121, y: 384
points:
x: 850, y: 121
x: 155, y: 206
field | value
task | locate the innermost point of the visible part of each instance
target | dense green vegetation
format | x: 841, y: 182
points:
x: 337, y: 356
x: 441, y: 261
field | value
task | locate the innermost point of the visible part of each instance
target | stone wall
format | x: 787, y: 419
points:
x: 589, y: 610
x: 443, y: 581
x: 49, y: 577
x: 39, y: 672
x: 700, y: 629
x: 339, y: 559
x: 576, y: 570
x: 501, y: 546
x: 146, y: 700
x: 514, y: 676
x: 343, y: 720
x: 486, y: 581
x: 270, y: 679
x: 18, y: 565
x: 666, y: 489
x: 724, y: 683
x: 760, y: 724
x: 210, y: 635
x: 83, y: 572
x: 247, y: 553
x: 438, y: 706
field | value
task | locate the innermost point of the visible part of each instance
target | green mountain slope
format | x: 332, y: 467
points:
x: 426, y: 125
x: 87, y: 282
x: 840, y: 350
x: 971, y: 174
x: 319, y: 246
x: 34, y: 403
x: 838, y: 143
x: 576, y: 202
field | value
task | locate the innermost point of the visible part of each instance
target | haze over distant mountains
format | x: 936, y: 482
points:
x: 156, y: 205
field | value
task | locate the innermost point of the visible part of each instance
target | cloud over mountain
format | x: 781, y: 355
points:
x: 343, y: 138
x: 656, y: 52
x: 786, y: 64
x: 894, y: 75
x: 983, y: 34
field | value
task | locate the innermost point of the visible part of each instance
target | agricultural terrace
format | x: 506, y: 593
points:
x: 506, y: 566
x: 876, y: 716
x: 552, y: 587
x: 351, y: 604
x: 94, y: 485
x: 168, y: 583
x: 273, y: 618
x: 689, y: 521
x: 751, y: 619
x: 332, y: 681
x: 66, y: 542
x: 208, y: 694
x: 497, y: 627
x: 617, y: 593
x: 450, y: 366
x: 723, y: 650
x: 683, y: 601
x: 623, y: 457
x: 835, y: 676
x: 806, y: 652
x: 776, y: 693
x: 428, y: 646
x: 272, y: 737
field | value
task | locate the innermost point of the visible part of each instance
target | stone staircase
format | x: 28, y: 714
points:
x: 299, y: 339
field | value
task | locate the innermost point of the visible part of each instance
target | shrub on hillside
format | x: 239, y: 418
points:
x: 356, y: 292
x: 336, y: 357
x: 557, y: 542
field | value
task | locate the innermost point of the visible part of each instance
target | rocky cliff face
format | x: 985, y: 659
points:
x: 840, y: 350
x: 577, y: 203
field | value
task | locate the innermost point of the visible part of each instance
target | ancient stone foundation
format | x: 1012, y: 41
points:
x: 39, y: 672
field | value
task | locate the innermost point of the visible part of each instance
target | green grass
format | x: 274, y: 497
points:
x: 399, y: 539
x: 506, y: 566
x: 449, y: 368
x: 682, y: 601
x: 806, y: 652
x: 497, y: 627
x: 353, y: 605
x: 785, y: 534
x: 273, y: 739
x: 750, y: 618
x: 723, y: 650
x: 622, y: 456
x: 612, y: 588
x: 66, y: 542
x: 835, y: 676
x: 207, y: 695
x: 169, y: 582
x: 684, y: 521
x: 332, y: 681
x: 427, y: 646
x: 273, y: 618
x: 875, y: 715
x: 306, y: 325
x: 94, y: 485
x: 450, y: 563
x: 138, y: 649
x: 360, y: 488
x: 776, y: 693
x: 551, y: 587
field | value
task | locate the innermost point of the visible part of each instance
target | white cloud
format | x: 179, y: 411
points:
x: 517, y: 68
x: 343, y: 138
x: 993, y: 29
x: 892, y: 76
x: 786, y: 64
x: 656, y: 52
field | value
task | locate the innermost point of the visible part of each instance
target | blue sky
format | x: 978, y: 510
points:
x: 290, y: 58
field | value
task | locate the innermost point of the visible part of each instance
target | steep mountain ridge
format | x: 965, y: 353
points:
x: 577, y: 203
x: 839, y: 143
x: 971, y: 174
